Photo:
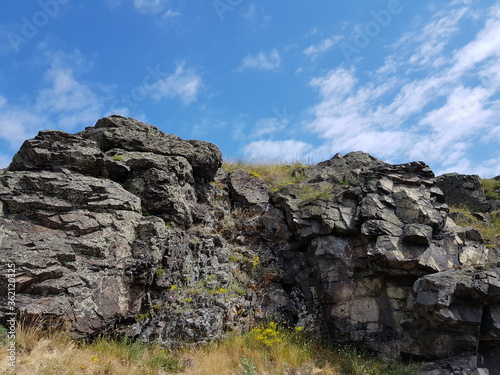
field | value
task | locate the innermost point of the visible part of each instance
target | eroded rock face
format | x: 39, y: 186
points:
x: 463, y: 191
x: 76, y: 218
x: 120, y: 133
x: 373, y: 233
x: 81, y: 247
x: 123, y: 226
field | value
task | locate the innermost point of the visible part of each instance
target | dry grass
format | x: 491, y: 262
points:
x: 42, y: 352
x: 249, y: 354
x: 275, y: 174
x: 265, y: 351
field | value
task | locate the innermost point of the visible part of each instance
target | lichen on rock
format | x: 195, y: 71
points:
x: 124, y: 227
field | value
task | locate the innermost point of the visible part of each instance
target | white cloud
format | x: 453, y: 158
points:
x: 287, y: 150
x: 400, y: 115
x: 262, y: 61
x: 149, y: 6
x: 65, y: 94
x: 268, y: 126
x: 486, y: 45
x: 171, y: 14
x: 184, y: 83
x: 18, y: 124
x: 435, y: 36
x: 325, y: 45
x: 62, y: 103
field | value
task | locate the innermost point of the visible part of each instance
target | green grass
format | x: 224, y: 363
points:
x: 491, y: 188
x: 490, y: 233
x: 268, y: 349
x: 274, y: 174
x: 309, y: 193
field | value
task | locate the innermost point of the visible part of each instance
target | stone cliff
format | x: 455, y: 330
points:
x: 127, y: 228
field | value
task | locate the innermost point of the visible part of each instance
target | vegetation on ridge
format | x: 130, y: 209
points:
x: 491, y: 188
x: 466, y: 218
x: 489, y: 233
x: 275, y: 174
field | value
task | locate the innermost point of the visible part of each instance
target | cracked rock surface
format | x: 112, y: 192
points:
x: 122, y: 226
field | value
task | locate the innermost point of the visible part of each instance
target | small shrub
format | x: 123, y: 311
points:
x: 4, y: 338
x: 267, y: 335
x: 490, y: 233
x: 345, y: 182
x: 142, y: 317
x: 117, y: 157
x: 159, y: 272
x: 255, y: 262
x: 248, y: 367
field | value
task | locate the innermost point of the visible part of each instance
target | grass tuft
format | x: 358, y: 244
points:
x: 274, y: 174
x: 491, y: 188
x: 309, y: 193
x: 269, y: 349
x: 490, y: 233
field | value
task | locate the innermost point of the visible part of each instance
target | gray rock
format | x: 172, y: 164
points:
x: 247, y: 190
x: 418, y: 234
x: 117, y: 132
x: 463, y: 190
x: 82, y: 250
x: 52, y: 148
x: 119, y: 226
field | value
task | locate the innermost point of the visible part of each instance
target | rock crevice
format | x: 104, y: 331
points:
x: 123, y: 226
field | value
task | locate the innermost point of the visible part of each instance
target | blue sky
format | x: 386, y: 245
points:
x: 403, y: 80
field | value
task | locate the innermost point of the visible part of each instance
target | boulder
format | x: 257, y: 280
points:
x: 52, y: 149
x: 463, y: 190
x: 247, y: 190
x: 117, y: 132
x: 371, y: 241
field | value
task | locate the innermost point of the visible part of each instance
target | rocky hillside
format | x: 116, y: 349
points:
x: 123, y: 227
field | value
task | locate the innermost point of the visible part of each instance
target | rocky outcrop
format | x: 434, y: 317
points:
x: 81, y: 217
x: 122, y: 226
x: 463, y: 191
x: 377, y: 239
x: 81, y: 247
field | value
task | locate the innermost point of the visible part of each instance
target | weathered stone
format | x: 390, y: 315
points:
x: 117, y: 132
x: 463, y: 190
x: 380, y: 227
x: 418, y: 234
x: 362, y: 249
x: 51, y: 149
x: 247, y: 190
x: 92, y: 261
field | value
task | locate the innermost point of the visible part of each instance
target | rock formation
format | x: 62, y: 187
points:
x: 122, y: 226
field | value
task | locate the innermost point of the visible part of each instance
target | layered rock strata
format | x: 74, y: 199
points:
x: 122, y: 226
